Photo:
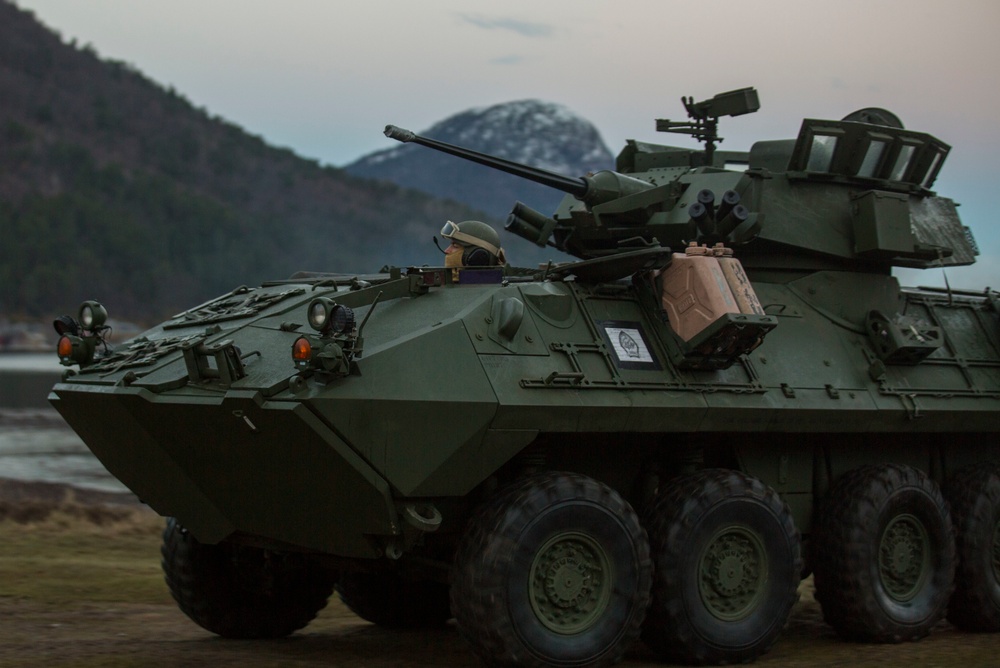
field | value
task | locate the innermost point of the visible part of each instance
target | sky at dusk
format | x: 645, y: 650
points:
x: 323, y: 77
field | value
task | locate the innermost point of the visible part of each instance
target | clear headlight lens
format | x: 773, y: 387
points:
x: 318, y: 314
x: 92, y: 315
x: 327, y: 316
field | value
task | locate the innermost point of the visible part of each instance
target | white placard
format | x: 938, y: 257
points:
x: 629, y: 345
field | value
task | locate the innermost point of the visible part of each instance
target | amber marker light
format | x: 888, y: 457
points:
x: 65, y: 347
x: 302, y: 350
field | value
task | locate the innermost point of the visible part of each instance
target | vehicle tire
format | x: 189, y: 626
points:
x: 727, y: 560
x: 885, y: 555
x: 242, y: 592
x: 554, y: 571
x: 974, y: 494
x: 389, y: 601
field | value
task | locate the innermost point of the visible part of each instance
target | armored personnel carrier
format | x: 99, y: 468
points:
x: 727, y: 392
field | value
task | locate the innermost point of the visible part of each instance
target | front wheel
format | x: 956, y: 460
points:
x: 241, y: 591
x: 728, y: 563
x: 555, y: 571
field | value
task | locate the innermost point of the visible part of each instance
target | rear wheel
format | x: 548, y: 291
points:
x: 555, y: 571
x: 391, y: 602
x: 242, y: 592
x: 885, y: 555
x: 727, y: 557
x: 974, y: 494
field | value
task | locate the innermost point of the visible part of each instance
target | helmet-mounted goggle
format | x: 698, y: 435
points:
x: 454, y: 233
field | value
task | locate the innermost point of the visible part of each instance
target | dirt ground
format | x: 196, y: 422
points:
x: 80, y: 586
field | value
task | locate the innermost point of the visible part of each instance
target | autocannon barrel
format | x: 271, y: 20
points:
x: 601, y: 187
x: 574, y: 186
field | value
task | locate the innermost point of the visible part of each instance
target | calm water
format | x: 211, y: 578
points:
x: 35, y: 444
x: 51, y: 454
x: 26, y: 378
x: 30, y: 362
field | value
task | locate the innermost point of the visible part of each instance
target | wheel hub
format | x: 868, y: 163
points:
x: 904, y: 556
x: 570, y: 583
x: 733, y: 568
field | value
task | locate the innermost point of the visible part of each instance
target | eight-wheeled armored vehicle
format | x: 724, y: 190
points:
x: 727, y: 391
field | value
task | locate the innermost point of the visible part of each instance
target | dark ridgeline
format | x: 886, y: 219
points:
x: 116, y: 188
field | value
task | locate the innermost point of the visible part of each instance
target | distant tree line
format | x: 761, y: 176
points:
x: 113, y: 187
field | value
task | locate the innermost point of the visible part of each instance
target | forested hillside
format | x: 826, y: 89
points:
x: 115, y: 188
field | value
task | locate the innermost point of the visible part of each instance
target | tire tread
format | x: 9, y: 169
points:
x: 845, y: 547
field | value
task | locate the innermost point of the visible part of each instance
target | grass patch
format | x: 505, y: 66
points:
x: 71, y: 555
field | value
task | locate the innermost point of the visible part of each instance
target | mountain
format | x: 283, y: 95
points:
x: 532, y: 132
x: 113, y: 187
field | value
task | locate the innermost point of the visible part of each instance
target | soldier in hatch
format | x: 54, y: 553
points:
x: 473, y: 244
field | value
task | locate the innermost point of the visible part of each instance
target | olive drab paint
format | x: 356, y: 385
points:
x: 397, y: 430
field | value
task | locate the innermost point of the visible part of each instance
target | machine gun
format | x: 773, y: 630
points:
x: 704, y: 124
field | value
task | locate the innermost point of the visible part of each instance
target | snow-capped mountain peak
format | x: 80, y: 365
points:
x: 533, y: 132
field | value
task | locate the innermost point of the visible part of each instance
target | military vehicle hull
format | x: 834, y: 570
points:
x: 586, y: 453
x: 238, y: 450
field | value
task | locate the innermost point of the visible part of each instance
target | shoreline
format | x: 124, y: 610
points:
x: 31, y: 417
x: 15, y: 493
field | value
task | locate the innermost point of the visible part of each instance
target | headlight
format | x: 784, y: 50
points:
x: 92, y: 315
x: 328, y: 317
x: 319, y: 313
x: 78, y: 339
x: 66, y: 325
x: 341, y: 319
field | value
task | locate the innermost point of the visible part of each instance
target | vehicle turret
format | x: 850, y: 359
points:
x: 852, y: 194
